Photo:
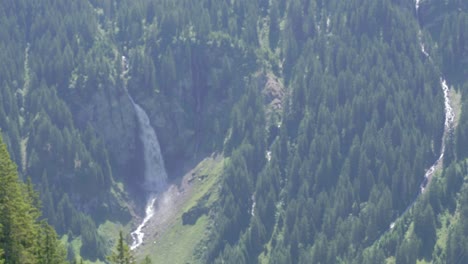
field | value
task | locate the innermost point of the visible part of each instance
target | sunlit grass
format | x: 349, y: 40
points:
x: 178, y: 243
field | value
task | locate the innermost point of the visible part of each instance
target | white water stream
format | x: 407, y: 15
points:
x: 449, y: 114
x: 417, y: 5
x: 155, y: 179
x: 448, y: 126
x: 138, y: 234
x: 155, y: 173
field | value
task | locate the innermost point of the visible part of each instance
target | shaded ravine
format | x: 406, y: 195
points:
x: 448, y: 128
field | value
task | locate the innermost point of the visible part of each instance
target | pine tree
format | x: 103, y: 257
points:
x: 147, y: 260
x: 18, y: 227
x: 22, y: 238
x: 122, y: 253
x: 273, y: 34
x: 50, y: 249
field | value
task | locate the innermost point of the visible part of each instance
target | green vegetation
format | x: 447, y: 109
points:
x: 23, y: 237
x: 184, y: 243
x: 361, y: 127
x: 319, y: 180
x: 122, y: 253
x: 67, y: 161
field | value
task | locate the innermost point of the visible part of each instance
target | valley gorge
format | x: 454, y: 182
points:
x: 247, y: 131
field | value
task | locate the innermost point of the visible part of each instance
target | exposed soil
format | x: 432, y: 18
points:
x: 169, y: 205
x: 272, y: 92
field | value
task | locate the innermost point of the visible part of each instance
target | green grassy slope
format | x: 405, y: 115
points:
x: 179, y: 242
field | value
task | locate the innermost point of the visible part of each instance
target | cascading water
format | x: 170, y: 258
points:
x: 448, y: 125
x: 449, y: 114
x: 138, y: 234
x: 155, y: 173
x: 417, y: 5
x: 155, y: 178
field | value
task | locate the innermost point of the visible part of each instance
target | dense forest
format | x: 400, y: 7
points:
x: 327, y: 115
x: 24, y: 238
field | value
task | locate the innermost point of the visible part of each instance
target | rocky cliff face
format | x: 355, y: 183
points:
x: 111, y: 113
x: 113, y: 117
x: 273, y: 93
x: 173, y: 126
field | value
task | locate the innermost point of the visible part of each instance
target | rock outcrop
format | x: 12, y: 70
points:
x: 272, y: 93
x: 113, y: 117
x: 173, y: 127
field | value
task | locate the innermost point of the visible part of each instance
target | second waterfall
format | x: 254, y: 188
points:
x: 155, y: 179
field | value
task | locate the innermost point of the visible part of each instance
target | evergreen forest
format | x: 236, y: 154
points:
x: 291, y: 131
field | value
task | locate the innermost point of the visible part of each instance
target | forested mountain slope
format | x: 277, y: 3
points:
x: 363, y: 122
x: 326, y: 113
x: 23, y: 237
x: 53, y: 59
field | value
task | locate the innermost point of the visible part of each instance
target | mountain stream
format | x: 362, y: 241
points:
x: 155, y: 179
x: 448, y: 126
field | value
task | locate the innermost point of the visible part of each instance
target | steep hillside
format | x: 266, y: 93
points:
x: 49, y: 46
x: 364, y: 121
x: 68, y: 74
x: 292, y: 131
x: 23, y: 237
x: 432, y: 230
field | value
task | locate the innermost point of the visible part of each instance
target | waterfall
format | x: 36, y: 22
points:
x: 155, y: 179
x: 155, y: 173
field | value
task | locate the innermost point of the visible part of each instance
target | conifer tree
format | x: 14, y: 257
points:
x: 122, y: 253
x: 18, y: 227
x: 147, y: 260
x: 22, y: 238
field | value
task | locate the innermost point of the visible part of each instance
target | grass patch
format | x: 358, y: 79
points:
x: 75, y: 245
x: 110, y: 232
x: 179, y: 242
x: 442, y: 232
